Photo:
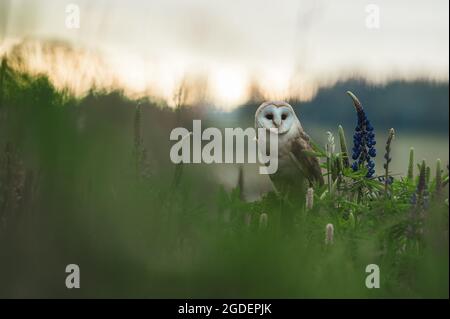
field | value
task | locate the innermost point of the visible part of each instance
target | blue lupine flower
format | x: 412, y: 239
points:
x: 382, y: 179
x: 363, y: 140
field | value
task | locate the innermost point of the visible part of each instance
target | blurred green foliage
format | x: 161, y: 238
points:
x: 89, y: 181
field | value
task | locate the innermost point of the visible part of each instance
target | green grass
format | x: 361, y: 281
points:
x: 82, y: 183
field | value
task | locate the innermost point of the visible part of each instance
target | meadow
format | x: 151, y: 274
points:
x: 88, y: 181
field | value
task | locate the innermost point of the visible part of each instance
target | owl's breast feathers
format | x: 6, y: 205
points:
x: 299, y: 145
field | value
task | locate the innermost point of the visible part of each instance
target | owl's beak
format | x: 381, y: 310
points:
x: 277, y: 122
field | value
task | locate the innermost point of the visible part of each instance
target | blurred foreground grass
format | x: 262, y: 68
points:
x: 89, y: 181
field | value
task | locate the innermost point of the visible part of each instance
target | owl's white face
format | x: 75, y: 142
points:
x: 275, y: 115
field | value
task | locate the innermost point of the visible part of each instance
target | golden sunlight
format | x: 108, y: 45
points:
x: 229, y: 86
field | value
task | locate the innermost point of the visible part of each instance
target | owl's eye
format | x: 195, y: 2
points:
x: 269, y: 116
x: 283, y: 116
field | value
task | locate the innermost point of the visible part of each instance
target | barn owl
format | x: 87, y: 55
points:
x: 296, y: 168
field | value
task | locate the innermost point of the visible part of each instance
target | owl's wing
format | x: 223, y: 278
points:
x: 308, y: 164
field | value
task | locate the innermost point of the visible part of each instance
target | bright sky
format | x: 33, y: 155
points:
x: 285, y: 48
